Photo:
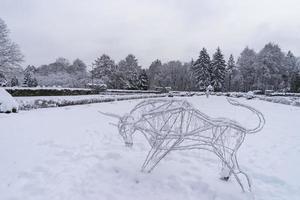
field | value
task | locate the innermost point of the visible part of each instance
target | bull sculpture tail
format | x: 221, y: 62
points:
x: 260, y: 116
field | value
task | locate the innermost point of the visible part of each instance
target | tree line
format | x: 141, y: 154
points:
x: 268, y: 69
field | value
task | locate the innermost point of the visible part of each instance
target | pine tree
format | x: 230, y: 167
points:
x: 269, y: 67
x: 103, y: 68
x: 246, y: 65
x: 295, y: 82
x: 27, y: 79
x: 14, y: 81
x: 290, y: 64
x: 231, y: 67
x: 143, y: 80
x: 153, y: 72
x: 33, y: 83
x: 218, y: 70
x: 3, y: 81
x: 130, y: 70
x: 133, y: 81
x: 201, y: 70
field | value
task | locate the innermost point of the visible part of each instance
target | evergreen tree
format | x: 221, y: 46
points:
x: 27, y: 79
x: 153, y: 72
x: 3, y: 81
x: 295, y: 82
x: 103, y: 69
x: 130, y: 69
x: 270, y: 68
x: 230, y: 71
x: 143, y: 80
x: 246, y: 63
x: 133, y: 81
x: 218, y: 70
x: 14, y: 81
x: 201, y: 70
x: 33, y: 83
x: 290, y: 64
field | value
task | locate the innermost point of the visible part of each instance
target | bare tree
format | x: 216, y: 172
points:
x: 10, y: 54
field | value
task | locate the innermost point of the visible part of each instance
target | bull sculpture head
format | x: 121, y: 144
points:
x: 124, y: 126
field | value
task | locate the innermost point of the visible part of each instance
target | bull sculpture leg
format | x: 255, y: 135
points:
x: 231, y: 167
x: 158, y: 152
x: 240, y: 175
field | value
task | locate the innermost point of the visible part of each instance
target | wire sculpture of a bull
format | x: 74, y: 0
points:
x: 176, y: 125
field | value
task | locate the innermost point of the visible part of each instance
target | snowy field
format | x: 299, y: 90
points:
x: 73, y: 153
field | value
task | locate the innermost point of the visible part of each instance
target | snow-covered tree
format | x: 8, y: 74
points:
x: 62, y: 73
x: 143, y: 80
x: 291, y: 70
x: 290, y: 62
x: 153, y: 71
x: 14, y: 81
x: 295, y: 82
x: 10, y: 54
x: 202, y: 70
x: 3, y: 81
x: 270, y: 68
x: 230, y: 71
x: 77, y: 67
x: 218, y: 70
x: 245, y: 64
x: 29, y: 79
x: 103, y: 68
x: 130, y: 69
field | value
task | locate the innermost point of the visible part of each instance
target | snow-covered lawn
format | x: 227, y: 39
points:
x: 73, y: 153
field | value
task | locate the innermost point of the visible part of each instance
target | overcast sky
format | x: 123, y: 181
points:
x: 163, y: 29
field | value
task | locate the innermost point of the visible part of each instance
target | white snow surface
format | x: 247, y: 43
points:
x: 7, y: 102
x: 74, y: 153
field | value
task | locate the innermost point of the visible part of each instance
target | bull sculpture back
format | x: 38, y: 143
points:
x: 176, y: 125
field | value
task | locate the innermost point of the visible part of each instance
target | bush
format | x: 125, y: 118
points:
x: 48, y: 92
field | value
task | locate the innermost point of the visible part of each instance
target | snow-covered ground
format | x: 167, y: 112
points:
x: 74, y: 153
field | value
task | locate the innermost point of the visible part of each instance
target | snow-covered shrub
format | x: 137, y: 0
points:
x: 7, y: 102
x: 99, y: 87
x: 296, y: 103
x: 249, y: 95
x: 28, y: 103
x: 236, y: 94
x: 50, y: 91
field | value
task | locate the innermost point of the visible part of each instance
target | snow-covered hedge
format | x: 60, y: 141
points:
x: 294, y: 101
x: 290, y: 99
x: 285, y: 94
x: 7, y: 102
x: 132, y: 91
x: 48, y: 91
x: 27, y: 103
